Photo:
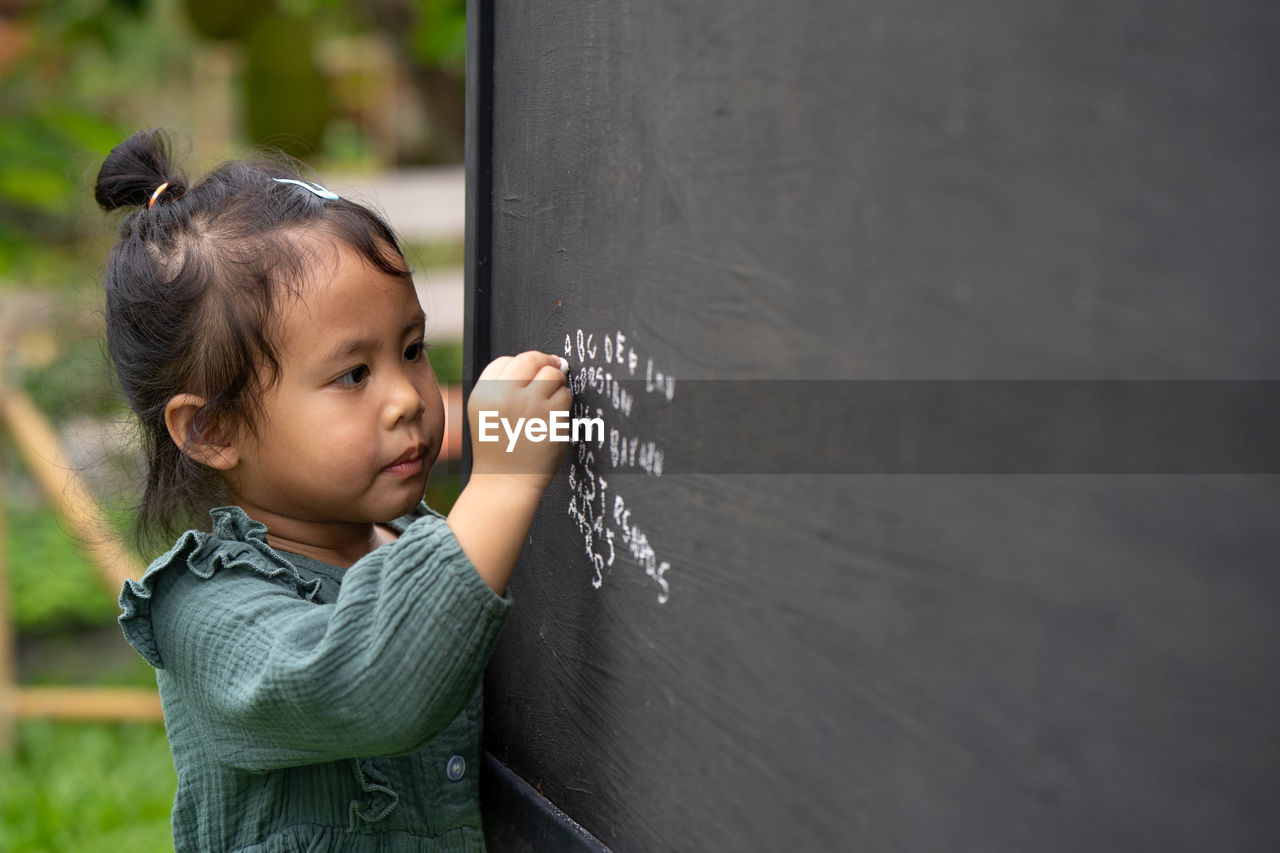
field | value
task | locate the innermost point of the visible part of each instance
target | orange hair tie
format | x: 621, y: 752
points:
x: 155, y: 195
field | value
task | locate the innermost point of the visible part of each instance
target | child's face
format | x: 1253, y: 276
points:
x: 350, y: 430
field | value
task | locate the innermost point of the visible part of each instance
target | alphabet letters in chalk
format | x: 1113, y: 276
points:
x: 602, y: 515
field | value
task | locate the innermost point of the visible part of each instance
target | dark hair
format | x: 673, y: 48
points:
x: 190, y: 293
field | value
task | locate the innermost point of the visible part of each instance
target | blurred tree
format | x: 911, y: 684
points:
x: 430, y: 39
x: 286, y: 99
x: 287, y: 102
x: 57, y: 117
x: 76, y: 76
x: 228, y: 19
x: 37, y: 189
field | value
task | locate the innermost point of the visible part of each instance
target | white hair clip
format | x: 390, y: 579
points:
x: 310, y: 187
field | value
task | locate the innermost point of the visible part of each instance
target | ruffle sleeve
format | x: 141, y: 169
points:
x: 236, y: 542
x: 271, y: 672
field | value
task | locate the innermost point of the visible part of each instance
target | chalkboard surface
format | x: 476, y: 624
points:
x: 737, y: 219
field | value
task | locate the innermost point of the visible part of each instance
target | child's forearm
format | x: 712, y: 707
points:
x: 491, y: 519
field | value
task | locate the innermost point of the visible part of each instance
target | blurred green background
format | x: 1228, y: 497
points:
x: 352, y: 88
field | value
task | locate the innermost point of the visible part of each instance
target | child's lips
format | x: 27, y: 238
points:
x: 408, y: 463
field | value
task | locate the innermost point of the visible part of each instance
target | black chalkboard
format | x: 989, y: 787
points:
x: 937, y: 345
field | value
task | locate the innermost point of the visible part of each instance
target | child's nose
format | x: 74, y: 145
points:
x: 405, y: 401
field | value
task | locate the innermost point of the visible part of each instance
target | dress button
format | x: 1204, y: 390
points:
x: 456, y: 767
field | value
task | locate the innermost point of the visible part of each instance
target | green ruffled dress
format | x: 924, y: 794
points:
x: 314, y: 708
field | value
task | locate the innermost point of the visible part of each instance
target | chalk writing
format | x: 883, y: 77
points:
x: 655, y: 381
x: 586, y: 508
x: 603, y: 383
x: 630, y: 451
x: 602, y: 516
x: 635, y: 539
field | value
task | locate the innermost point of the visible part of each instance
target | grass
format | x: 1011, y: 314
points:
x: 71, y: 786
x: 53, y: 587
x: 86, y: 787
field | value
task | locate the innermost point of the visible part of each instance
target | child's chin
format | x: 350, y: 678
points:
x: 410, y: 503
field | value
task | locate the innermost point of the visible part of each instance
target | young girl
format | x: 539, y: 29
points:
x: 319, y: 645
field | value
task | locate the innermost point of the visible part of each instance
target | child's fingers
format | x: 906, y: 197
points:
x: 562, y: 399
x: 526, y: 365
x: 550, y: 378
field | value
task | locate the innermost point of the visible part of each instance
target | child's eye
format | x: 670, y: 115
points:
x: 353, y: 377
x: 416, y: 351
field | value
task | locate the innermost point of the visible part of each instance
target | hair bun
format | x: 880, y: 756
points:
x: 135, y: 168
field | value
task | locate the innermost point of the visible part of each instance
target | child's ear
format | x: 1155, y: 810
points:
x: 204, y: 446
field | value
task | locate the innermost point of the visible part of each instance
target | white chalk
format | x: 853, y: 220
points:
x: 564, y: 365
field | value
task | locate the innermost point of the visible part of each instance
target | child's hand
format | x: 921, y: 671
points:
x: 530, y: 385
x: 491, y: 518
